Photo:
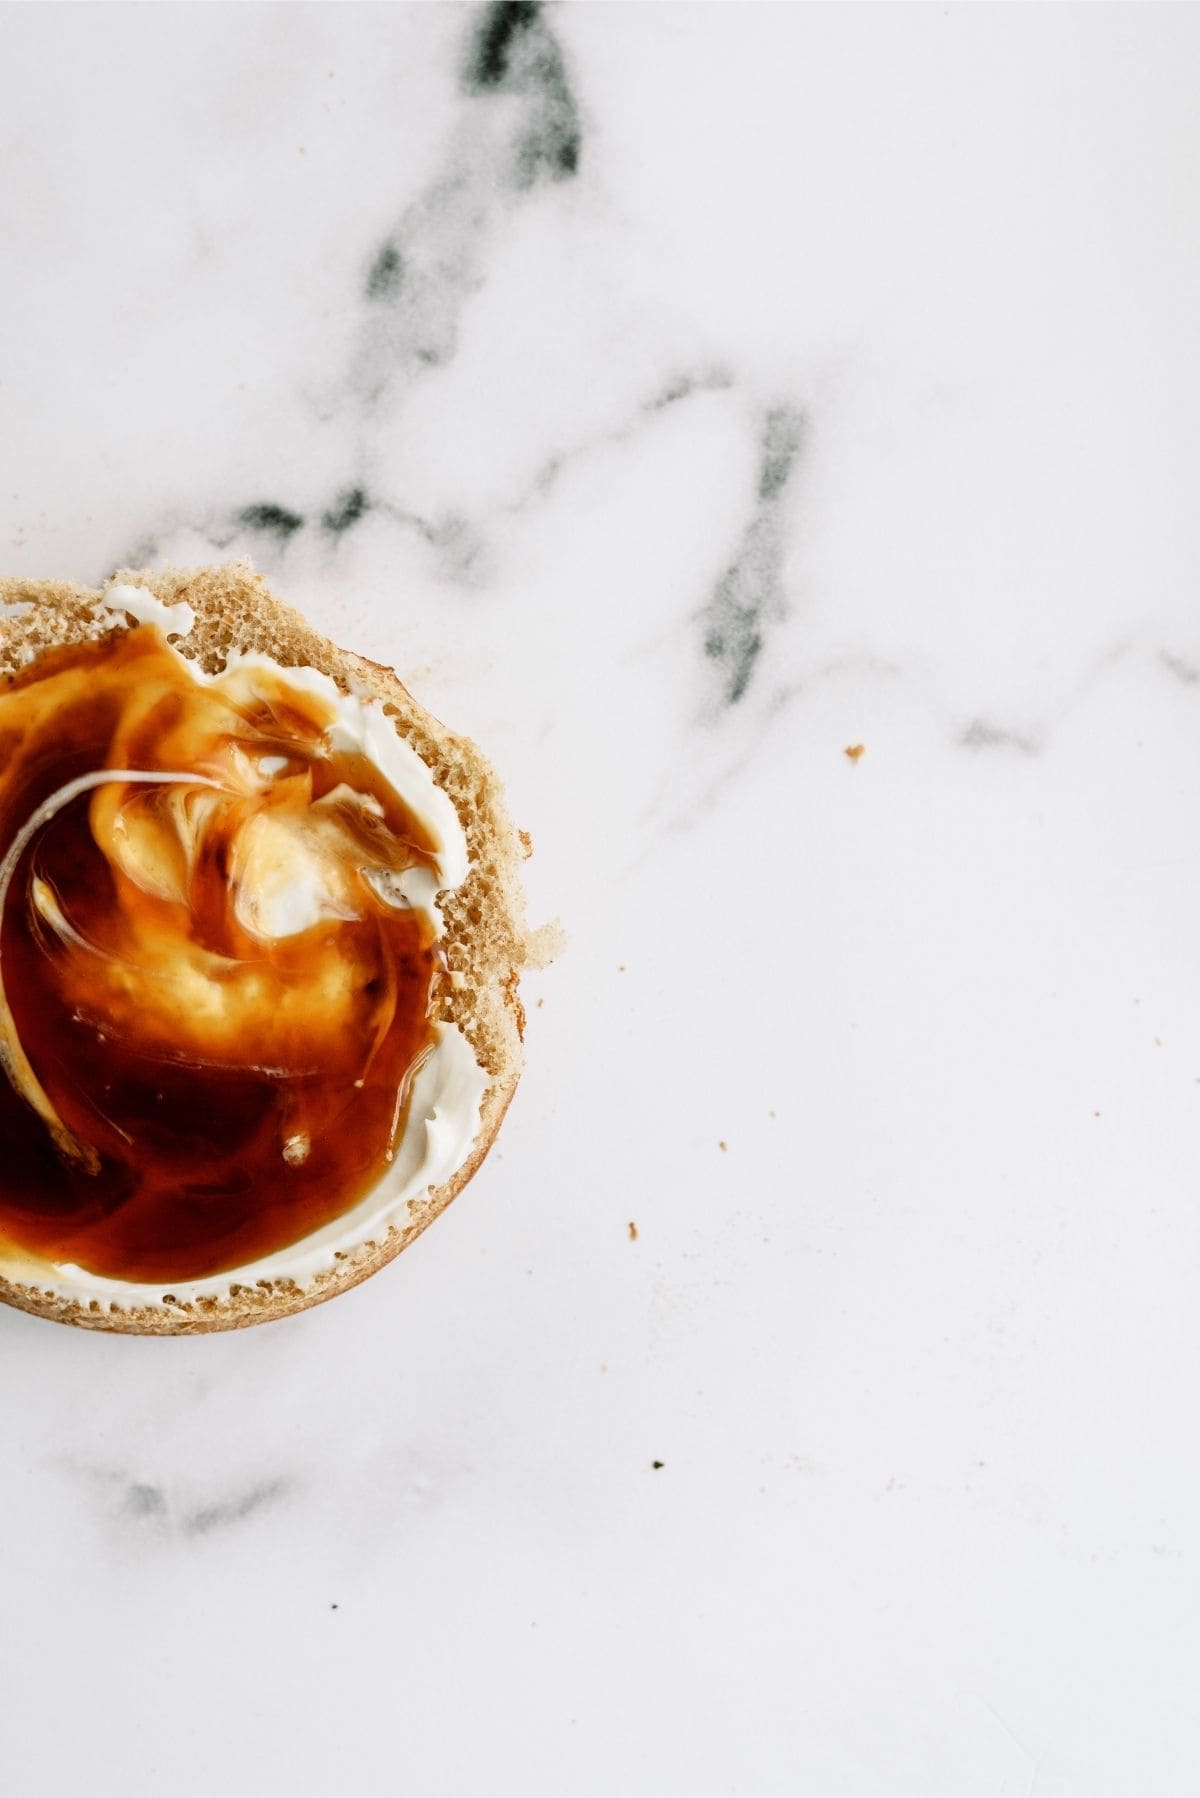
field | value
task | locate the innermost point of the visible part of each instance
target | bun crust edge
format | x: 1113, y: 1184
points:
x: 485, y: 940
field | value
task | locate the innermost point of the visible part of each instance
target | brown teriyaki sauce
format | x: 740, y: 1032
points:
x: 237, y: 1090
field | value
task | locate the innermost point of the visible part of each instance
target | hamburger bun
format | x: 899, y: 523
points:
x: 473, y: 989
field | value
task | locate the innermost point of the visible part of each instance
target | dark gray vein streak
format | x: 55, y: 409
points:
x: 276, y: 521
x: 351, y: 505
x: 204, y: 1521
x: 713, y: 380
x: 146, y: 1507
x: 386, y: 275
x: 750, y: 592
x: 424, y: 271
x: 514, y: 51
x: 423, y: 274
x: 499, y: 30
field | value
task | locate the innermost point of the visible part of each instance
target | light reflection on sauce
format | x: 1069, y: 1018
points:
x: 212, y: 993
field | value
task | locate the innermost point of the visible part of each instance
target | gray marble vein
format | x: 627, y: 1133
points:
x: 421, y: 277
x: 983, y: 733
x: 750, y: 595
x: 205, y: 1519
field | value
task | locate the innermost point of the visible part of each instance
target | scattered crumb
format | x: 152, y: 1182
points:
x: 333, y: 1607
x: 544, y: 945
x: 632, y: 1231
x: 770, y: 1114
x: 1095, y: 1114
x: 855, y: 751
x: 657, y: 1464
x: 1158, y: 1042
x: 723, y: 1145
x: 540, y: 1003
x: 620, y: 967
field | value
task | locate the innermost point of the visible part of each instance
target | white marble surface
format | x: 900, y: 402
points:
x: 722, y: 387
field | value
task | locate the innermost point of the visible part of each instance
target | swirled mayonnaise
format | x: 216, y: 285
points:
x: 218, y: 928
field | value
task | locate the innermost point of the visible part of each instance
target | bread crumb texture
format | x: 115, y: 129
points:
x: 486, y: 943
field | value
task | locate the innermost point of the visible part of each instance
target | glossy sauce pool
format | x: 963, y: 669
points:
x: 232, y: 1087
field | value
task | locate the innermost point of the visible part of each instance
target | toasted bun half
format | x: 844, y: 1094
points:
x: 484, y: 941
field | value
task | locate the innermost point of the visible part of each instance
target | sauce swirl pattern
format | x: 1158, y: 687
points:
x: 216, y: 956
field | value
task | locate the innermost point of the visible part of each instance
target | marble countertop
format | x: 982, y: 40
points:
x: 803, y: 1398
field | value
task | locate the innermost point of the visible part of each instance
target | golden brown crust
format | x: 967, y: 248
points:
x: 485, y: 938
